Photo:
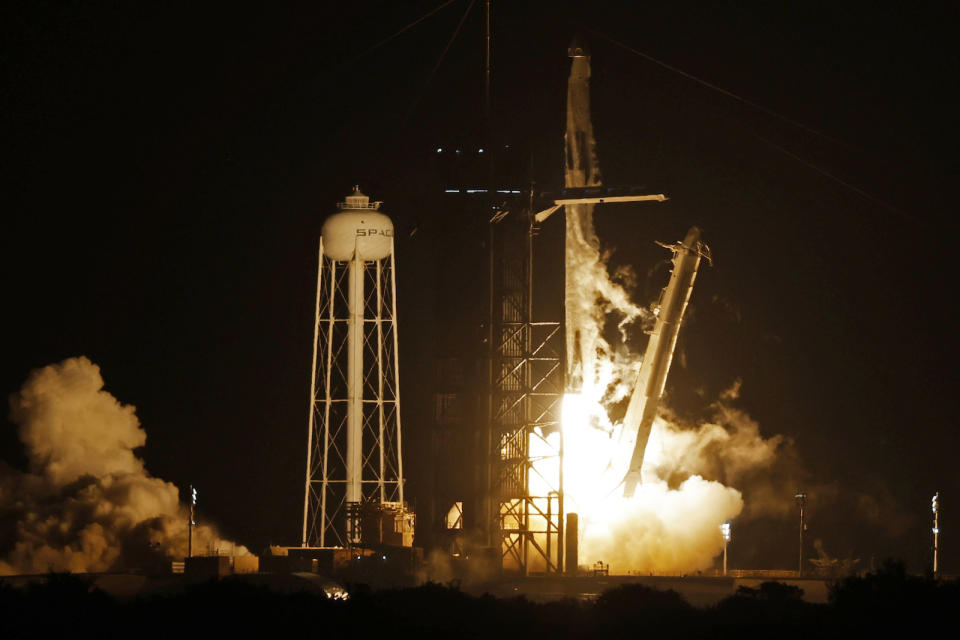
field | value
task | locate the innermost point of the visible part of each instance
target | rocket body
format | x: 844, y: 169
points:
x: 659, y: 353
x: 582, y: 169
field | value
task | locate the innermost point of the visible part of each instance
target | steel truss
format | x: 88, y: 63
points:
x: 353, y: 454
x: 526, y: 393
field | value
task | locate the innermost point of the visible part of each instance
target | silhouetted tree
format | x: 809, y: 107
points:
x: 633, y: 609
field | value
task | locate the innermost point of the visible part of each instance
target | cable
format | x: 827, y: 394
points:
x: 729, y: 94
x: 433, y: 71
x: 409, y: 26
x: 771, y: 112
x: 446, y: 48
x: 416, y: 101
x: 838, y: 180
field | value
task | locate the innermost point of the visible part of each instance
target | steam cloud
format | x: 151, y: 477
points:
x: 730, y: 449
x: 86, y: 504
x: 671, y: 524
x: 663, y: 530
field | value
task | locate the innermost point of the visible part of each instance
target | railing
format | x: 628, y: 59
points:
x: 762, y: 573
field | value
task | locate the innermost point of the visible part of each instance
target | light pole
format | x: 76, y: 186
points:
x: 191, y: 523
x: 801, y: 499
x: 935, y: 505
x: 725, y: 530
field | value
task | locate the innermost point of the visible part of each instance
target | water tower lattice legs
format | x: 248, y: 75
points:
x: 354, y: 436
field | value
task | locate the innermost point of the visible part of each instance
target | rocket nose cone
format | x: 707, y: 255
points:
x: 578, y: 47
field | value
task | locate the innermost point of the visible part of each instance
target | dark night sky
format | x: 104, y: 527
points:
x: 167, y: 170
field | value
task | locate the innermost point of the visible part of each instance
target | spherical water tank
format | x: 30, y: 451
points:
x: 358, y: 226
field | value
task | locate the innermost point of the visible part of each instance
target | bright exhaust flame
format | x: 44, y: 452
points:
x: 671, y: 523
x: 659, y: 529
x: 668, y: 525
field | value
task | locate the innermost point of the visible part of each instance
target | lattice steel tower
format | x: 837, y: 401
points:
x: 354, y: 463
x: 527, y: 380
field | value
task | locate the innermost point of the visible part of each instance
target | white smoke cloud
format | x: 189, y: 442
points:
x: 695, y: 478
x: 591, y: 296
x: 660, y: 530
x: 72, y: 428
x: 672, y: 523
x: 728, y: 447
x: 87, y: 503
x: 694, y: 475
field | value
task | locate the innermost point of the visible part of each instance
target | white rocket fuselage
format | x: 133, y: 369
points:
x: 582, y: 170
x: 659, y: 353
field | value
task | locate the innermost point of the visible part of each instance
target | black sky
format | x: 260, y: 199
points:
x: 167, y: 169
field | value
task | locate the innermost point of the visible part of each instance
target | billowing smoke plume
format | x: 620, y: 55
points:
x: 87, y: 503
x: 692, y: 474
x: 661, y: 529
x: 730, y: 449
x: 590, y: 293
x: 672, y: 523
x: 591, y: 296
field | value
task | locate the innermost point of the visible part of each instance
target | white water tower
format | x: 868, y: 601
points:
x: 354, y: 464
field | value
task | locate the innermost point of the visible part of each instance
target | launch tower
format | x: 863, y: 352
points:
x: 526, y: 394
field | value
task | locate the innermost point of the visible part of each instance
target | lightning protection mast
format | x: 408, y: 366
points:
x: 192, y: 522
x: 801, y: 499
x: 935, y: 506
x: 354, y: 475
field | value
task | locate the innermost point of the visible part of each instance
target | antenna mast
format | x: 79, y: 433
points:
x: 486, y: 71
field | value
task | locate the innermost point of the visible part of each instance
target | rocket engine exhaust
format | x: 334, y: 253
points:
x: 663, y: 339
x: 658, y: 526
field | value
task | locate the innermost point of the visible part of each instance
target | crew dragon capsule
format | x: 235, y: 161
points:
x: 656, y: 360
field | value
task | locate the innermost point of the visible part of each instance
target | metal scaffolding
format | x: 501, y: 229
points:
x: 525, y: 447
